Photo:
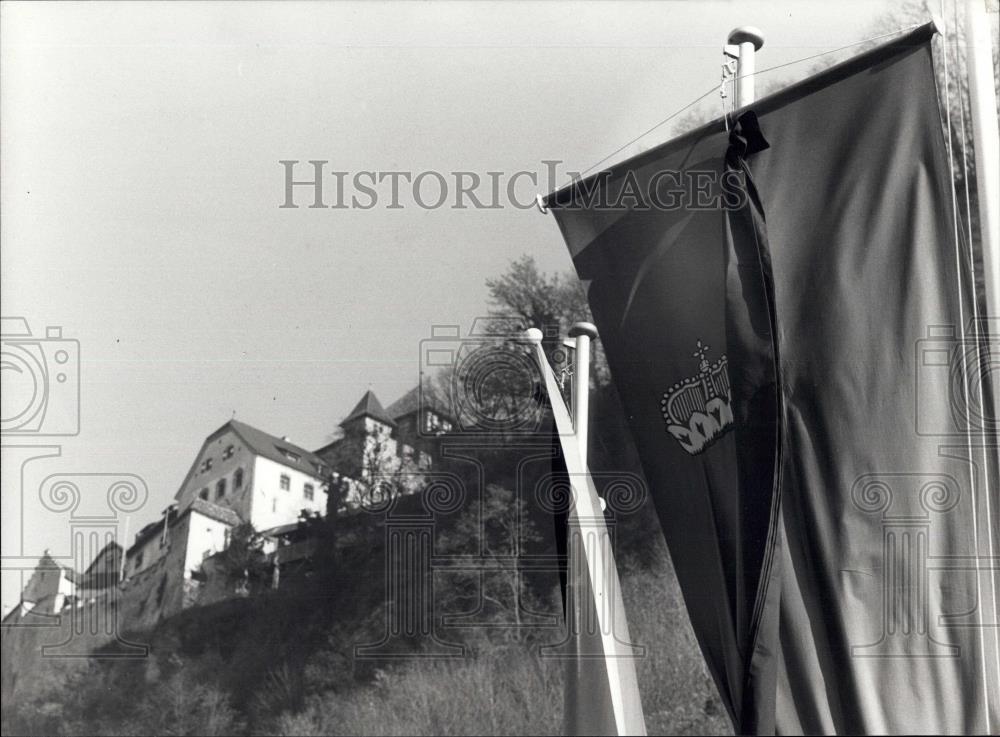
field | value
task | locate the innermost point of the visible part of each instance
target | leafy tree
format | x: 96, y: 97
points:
x: 536, y: 298
x: 243, y: 560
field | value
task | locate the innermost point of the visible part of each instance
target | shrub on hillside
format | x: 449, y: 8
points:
x: 507, y: 692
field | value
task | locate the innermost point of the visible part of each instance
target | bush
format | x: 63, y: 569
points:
x: 506, y: 692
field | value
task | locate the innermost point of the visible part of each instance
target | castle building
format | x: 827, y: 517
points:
x: 54, y: 585
x: 367, y: 440
x: 242, y: 474
x: 266, y: 480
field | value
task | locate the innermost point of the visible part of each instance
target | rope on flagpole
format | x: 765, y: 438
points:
x: 834, y: 51
x: 715, y: 89
x: 650, y: 130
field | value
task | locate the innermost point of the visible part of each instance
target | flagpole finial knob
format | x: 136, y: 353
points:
x: 533, y: 335
x: 746, y: 34
x: 583, y: 328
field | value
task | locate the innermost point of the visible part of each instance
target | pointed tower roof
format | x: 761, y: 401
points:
x: 369, y: 406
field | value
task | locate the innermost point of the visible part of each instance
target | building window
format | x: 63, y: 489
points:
x: 290, y: 454
x: 220, y: 489
x: 238, y: 479
x: 308, y: 491
x: 206, y: 465
x: 286, y: 482
x: 229, y: 453
x: 204, y: 493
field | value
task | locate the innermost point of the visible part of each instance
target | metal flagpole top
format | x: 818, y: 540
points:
x: 746, y: 34
x: 583, y: 328
x: 746, y: 41
x: 533, y: 335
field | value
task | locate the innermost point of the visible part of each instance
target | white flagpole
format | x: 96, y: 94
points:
x: 986, y: 144
x: 749, y: 39
x: 586, y: 511
x: 584, y: 332
x: 986, y: 141
x: 121, y: 567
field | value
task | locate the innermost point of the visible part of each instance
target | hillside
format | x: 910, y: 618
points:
x: 284, y: 662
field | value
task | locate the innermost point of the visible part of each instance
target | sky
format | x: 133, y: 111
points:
x: 140, y: 190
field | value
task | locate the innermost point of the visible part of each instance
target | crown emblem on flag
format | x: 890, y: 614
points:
x: 697, y: 409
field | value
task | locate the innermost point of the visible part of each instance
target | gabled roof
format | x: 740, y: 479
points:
x: 111, y: 549
x: 276, y: 449
x: 208, y: 509
x: 215, y: 511
x: 418, y: 397
x: 369, y: 406
x: 262, y: 444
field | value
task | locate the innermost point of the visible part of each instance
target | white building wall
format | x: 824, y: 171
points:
x: 65, y: 588
x: 205, y: 537
x: 222, y: 469
x: 272, y: 505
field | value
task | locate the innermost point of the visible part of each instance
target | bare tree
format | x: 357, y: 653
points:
x: 496, y: 532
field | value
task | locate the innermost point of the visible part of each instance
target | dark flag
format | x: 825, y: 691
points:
x: 791, y: 321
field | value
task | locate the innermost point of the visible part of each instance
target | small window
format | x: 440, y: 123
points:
x: 309, y: 491
x: 229, y: 452
x: 220, y: 489
x: 204, y: 493
x: 286, y: 482
x: 238, y: 479
x: 206, y: 465
x: 291, y: 455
